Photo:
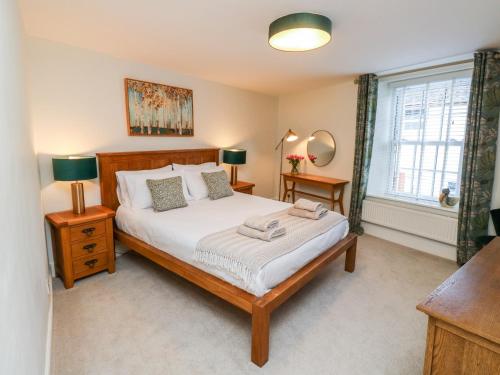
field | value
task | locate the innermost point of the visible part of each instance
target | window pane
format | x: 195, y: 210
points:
x: 429, y: 157
x: 437, y: 97
x: 431, y: 118
x: 450, y: 182
x: 440, y: 159
x: 453, y: 158
x: 459, y: 110
x: 437, y: 184
x: 403, y: 181
x: 412, y: 112
x: 406, y: 156
x: 417, y: 157
x: 426, y: 180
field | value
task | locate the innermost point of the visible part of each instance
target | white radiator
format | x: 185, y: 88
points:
x: 421, y: 223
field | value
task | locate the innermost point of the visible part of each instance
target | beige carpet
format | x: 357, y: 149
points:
x: 144, y: 320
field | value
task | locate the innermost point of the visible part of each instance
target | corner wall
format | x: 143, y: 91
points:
x: 331, y: 108
x: 24, y: 289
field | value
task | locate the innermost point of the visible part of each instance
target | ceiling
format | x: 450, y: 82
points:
x: 226, y: 40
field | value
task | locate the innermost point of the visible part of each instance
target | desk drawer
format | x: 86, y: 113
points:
x: 87, y: 231
x: 246, y: 191
x: 88, y: 247
x: 89, y: 265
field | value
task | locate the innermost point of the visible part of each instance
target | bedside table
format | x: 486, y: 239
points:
x: 243, y: 187
x: 82, y: 244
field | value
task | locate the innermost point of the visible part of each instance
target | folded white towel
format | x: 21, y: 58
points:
x: 318, y: 214
x: 260, y: 235
x: 306, y: 204
x: 262, y: 223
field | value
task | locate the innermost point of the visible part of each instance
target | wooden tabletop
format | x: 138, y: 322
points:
x: 470, y: 298
x: 64, y: 218
x: 242, y: 185
x: 315, y: 178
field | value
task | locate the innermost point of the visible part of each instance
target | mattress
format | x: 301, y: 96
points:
x: 178, y: 231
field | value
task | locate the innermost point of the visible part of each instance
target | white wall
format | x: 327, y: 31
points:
x: 77, y: 107
x: 24, y: 298
x: 332, y: 108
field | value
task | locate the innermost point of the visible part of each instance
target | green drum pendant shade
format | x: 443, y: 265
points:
x: 234, y: 156
x: 300, y: 32
x: 74, y: 168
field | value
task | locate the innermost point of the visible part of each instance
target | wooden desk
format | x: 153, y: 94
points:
x: 463, y: 335
x: 331, y: 185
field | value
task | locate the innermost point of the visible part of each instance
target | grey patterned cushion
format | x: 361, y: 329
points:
x: 217, y: 184
x: 167, y: 193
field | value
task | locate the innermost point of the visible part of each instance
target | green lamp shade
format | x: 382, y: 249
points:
x: 74, y: 168
x: 234, y: 156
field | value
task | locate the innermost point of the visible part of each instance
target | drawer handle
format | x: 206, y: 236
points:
x: 88, y: 231
x: 91, y: 263
x: 90, y: 247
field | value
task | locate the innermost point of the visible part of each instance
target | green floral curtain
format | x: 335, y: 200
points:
x: 479, y: 154
x: 365, y: 127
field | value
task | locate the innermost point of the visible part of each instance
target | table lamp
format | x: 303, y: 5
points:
x: 75, y: 168
x: 234, y: 157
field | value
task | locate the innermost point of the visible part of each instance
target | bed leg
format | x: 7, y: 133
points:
x: 350, y: 258
x: 260, y: 334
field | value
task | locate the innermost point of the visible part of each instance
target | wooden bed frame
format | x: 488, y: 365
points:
x: 260, y: 308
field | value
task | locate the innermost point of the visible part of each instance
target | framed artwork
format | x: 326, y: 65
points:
x: 154, y: 109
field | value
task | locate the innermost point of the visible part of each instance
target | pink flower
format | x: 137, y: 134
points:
x: 294, y: 157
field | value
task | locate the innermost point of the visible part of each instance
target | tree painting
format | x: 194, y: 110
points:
x: 154, y: 109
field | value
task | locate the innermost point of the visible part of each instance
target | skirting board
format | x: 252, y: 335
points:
x: 409, y: 240
x: 48, y: 342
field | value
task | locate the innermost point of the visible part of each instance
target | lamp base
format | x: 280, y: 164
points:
x: 234, y: 174
x: 78, y: 198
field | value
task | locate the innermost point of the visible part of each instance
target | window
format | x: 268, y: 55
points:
x: 423, y: 123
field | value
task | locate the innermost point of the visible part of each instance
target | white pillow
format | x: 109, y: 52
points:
x: 196, y: 184
x: 121, y: 187
x: 138, y: 191
x: 194, y: 167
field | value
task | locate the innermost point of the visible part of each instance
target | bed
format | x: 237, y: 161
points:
x: 169, y: 238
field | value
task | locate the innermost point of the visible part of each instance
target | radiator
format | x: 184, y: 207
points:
x: 418, y: 222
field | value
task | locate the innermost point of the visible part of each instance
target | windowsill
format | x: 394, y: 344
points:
x: 430, y: 207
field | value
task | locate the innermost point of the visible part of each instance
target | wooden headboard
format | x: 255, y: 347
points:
x: 111, y: 162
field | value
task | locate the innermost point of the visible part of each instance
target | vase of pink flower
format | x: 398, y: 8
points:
x: 312, y: 158
x: 294, y: 161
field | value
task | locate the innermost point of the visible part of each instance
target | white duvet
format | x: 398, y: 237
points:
x: 178, y: 231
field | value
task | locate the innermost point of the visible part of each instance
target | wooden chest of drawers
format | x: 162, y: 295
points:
x: 82, y: 244
x: 463, y: 335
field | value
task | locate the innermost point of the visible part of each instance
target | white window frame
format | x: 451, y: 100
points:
x: 412, y: 78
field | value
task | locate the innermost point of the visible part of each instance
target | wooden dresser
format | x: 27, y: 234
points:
x: 463, y: 335
x: 83, y: 244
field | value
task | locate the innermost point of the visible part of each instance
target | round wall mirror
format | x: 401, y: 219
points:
x: 321, y: 148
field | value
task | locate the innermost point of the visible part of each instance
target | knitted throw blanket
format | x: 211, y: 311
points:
x: 243, y: 257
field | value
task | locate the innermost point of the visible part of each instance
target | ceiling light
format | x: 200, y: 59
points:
x: 300, y: 32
